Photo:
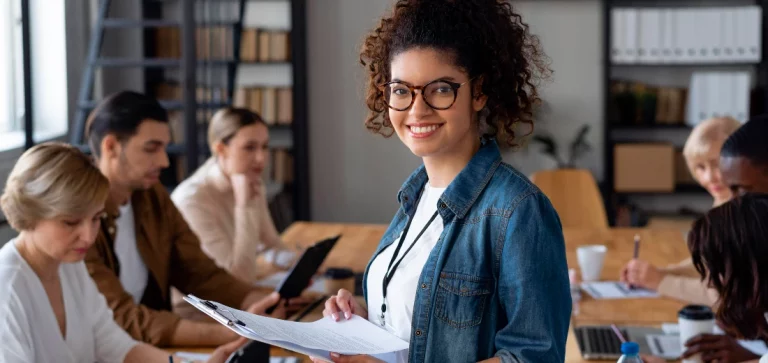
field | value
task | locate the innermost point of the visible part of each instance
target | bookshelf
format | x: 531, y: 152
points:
x: 233, y: 70
x: 191, y: 62
x: 644, y: 78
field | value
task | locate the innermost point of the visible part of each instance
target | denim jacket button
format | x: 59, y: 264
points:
x: 442, y: 205
x: 423, y: 286
x: 418, y: 332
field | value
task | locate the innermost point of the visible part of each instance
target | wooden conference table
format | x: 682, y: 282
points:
x: 359, y: 242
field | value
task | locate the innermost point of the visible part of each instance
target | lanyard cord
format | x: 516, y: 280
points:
x: 391, y: 269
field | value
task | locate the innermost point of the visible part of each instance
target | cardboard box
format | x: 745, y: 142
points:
x: 644, y: 167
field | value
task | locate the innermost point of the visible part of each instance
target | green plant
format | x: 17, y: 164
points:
x: 579, y: 146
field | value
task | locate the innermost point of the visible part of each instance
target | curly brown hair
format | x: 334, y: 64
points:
x: 729, y: 247
x: 486, y: 38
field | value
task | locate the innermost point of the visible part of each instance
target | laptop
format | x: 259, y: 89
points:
x: 599, y: 342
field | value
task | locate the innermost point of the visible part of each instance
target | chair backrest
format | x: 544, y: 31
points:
x: 575, y: 196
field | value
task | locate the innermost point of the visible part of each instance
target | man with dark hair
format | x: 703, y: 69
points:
x: 144, y: 246
x: 744, y: 157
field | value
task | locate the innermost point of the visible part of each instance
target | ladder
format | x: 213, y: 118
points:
x: 188, y: 63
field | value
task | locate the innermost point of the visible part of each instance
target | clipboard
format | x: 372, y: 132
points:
x: 271, y: 331
x: 223, y: 315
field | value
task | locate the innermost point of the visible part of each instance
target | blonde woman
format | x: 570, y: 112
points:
x: 702, y: 155
x: 50, y: 308
x: 225, y: 201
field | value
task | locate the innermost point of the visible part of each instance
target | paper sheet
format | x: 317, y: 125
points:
x: 319, y: 338
x: 615, y: 290
x: 668, y: 346
x: 204, y: 357
x: 670, y: 328
x: 274, y: 280
x: 665, y: 346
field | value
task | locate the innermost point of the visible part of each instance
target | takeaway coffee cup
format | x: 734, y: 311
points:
x: 591, y: 261
x: 694, y: 320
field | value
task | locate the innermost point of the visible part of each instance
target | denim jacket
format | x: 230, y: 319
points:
x: 496, y: 283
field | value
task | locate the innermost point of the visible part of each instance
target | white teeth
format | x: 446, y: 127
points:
x: 423, y: 129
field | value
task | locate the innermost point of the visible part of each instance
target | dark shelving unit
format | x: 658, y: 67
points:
x: 196, y: 112
x: 611, y: 128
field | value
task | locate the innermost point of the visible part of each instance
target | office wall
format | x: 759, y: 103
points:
x: 355, y: 175
x: 55, y: 79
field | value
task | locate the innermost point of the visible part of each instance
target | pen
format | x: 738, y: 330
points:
x: 636, y: 254
x: 637, y: 246
x: 618, y: 333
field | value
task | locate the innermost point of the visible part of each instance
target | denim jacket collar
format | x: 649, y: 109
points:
x: 463, y: 191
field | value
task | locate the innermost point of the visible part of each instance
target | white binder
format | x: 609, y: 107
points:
x: 650, y: 37
x: 685, y: 34
x: 630, y: 35
x: 699, y: 38
x: 728, y: 38
x: 713, y: 33
x: 617, y: 35
x: 742, y: 88
x: 696, y: 98
x: 754, y: 35
x: 668, y: 28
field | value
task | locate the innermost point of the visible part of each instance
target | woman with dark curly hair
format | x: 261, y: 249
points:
x: 473, y: 265
x: 729, y: 248
x: 730, y: 251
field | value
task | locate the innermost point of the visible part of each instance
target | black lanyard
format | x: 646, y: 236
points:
x: 391, y: 269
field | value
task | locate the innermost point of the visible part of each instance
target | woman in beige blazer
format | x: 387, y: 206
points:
x: 225, y: 200
x: 702, y: 154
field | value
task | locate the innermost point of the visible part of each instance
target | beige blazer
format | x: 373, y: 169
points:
x: 684, y: 283
x: 232, y: 236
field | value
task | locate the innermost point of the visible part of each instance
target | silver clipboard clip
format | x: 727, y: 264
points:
x: 216, y: 312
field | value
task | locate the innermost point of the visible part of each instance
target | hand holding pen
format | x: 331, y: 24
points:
x: 639, y: 273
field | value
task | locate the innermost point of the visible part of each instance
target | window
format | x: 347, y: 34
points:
x: 11, y: 69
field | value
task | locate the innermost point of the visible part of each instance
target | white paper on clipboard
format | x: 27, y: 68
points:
x: 318, y: 339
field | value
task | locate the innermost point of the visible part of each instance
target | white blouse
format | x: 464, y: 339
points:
x: 30, y: 331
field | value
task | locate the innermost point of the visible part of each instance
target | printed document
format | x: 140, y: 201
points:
x: 318, y: 339
x: 615, y: 290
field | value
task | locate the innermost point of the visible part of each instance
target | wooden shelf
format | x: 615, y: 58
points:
x: 269, y: 63
x: 679, y: 189
x: 678, y: 126
x: 685, y: 65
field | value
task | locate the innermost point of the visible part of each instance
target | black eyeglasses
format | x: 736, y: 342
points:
x: 438, y: 94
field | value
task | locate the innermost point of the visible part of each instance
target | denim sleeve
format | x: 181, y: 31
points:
x: 533, y: 285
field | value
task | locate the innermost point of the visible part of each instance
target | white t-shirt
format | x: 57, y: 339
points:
x: 401, y: 292
x: 133, y: 271
x: 30, y: 331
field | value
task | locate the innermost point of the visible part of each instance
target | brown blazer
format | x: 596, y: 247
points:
x: 172, y: 254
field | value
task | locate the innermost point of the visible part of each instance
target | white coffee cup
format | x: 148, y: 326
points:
x: 694, y: 320
x: 591, y: 261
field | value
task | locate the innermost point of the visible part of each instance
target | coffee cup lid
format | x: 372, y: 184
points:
x: 696, y: 312
x: 339, y: 273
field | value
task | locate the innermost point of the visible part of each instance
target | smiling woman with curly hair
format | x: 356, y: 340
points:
x: 473, y: 264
